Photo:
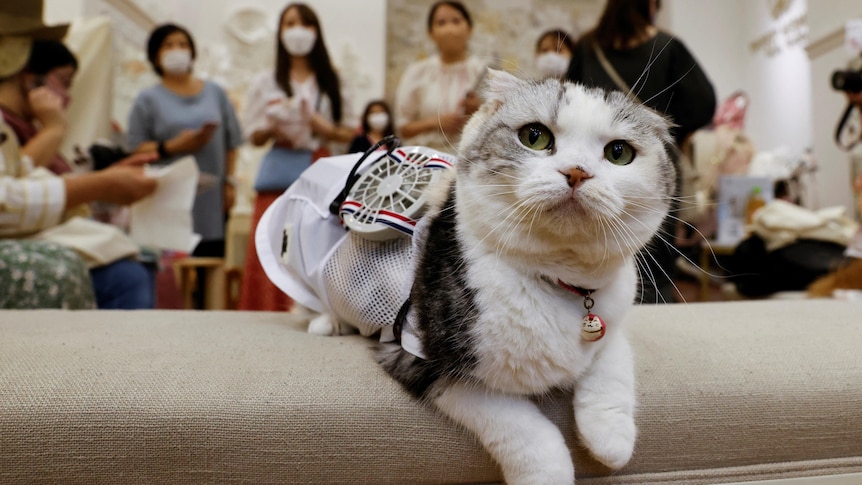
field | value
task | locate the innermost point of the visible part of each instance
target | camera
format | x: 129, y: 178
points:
x: 849, y: 81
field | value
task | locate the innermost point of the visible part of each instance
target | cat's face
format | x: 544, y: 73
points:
x: 548, y: 163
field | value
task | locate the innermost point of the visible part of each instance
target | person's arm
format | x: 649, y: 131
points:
x: 694, y: 102
x: 408, y: 99
x: 255, y: 126
x: 122, y: 183
x: 329, y: 130
x: 261, y: 136
x: 188, y: 141
x: 229, y: 186
x: 413, y: 128
x: 31, y: 204
x: 47, y: 107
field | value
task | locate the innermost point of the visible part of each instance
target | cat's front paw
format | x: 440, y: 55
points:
x: 609, y: 434
x: 323, y: 324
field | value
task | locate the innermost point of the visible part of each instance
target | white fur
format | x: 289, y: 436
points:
x: 527, y: 337
x: 529, y: 448
x: 522, y: 229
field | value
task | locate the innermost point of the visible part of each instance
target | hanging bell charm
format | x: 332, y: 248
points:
x: 592, y: 328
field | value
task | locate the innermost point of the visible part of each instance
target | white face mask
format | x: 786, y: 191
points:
x: 552, y: 64
x: 378, y: 121
x: 177, y: 61
x: 298, y: 40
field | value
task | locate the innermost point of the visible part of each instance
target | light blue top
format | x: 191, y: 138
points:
x: 160, y: 114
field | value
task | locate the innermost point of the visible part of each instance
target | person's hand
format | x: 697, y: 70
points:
x: 321, y: 126
x: 190, y: 141
x: 126, y: 184
x: 282, y: 139
x: 47, y: 107
x: 452, y: 123
x: 139, y: 159
x: 228, y: 197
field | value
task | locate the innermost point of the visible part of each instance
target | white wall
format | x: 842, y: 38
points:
x: 792, y: 104
x: 60, y: 11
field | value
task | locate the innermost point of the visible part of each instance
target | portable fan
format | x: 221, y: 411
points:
x: 389, y: 196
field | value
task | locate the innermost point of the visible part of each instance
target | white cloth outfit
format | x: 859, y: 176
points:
x: 431, y: 88
x: 308, y: 254
x: 267, y: 103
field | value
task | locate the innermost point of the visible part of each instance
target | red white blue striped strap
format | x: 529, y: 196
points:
x: 389, y: 218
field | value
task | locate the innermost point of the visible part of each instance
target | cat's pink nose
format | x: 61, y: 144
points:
x: 575, y: 176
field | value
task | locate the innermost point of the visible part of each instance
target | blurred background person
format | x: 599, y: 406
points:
x: 38, y: 204
x: 376, y: 124
x: 184, y: 115
x: 39, y: 127
x: 301, y: 110
x: 627, y: 52
x: 554, y: 53
x: 433, y: 99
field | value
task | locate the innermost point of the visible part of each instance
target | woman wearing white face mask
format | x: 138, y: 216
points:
x: 554, y: 53
x: 185, y: 115
x: 376, y: 124
x: 434, y: 97
x: 300, y: 109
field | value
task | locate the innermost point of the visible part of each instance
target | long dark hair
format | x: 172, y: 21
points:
x: 621, y: 22
x: 47, y: 55
x: 561, y: 38
x: 318, y: 58
x: 389, y: 130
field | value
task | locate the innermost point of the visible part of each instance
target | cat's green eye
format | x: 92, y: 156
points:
x: 619, y: 152
x: 536, y: 137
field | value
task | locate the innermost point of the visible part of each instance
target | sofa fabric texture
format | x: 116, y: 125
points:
x: 727, y: 392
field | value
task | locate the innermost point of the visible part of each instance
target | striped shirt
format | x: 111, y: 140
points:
x: 31, y: 199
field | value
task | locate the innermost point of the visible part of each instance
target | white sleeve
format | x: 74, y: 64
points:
x: 29, y: 205
x: 407, y: 102
x: 254, y: 112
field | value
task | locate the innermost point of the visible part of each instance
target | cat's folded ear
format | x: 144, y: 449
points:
x: 498, y: 85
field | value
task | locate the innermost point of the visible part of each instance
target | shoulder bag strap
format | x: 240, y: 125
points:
x: 614, y: 75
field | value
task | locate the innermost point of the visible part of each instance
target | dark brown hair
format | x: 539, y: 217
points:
x: 157, y: 38
x: 318, y: 59
x: 621, y: 22
x: 562, y: 37
x: 456, y: 5
x: 389, y: 130
x: 47, y: 55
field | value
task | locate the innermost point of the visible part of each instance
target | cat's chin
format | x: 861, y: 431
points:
x: 570, y: 207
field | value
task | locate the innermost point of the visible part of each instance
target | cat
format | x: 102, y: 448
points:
x: 556, y: 189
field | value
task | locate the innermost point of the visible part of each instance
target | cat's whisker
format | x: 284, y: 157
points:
x: 511, y: 211
x: 517, y: 209
x: 642, y: 263
x: 646, y: 101
x: 652, y: 60
x: 701, y: 236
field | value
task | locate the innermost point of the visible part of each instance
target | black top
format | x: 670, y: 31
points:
x: 674, y: 84
x: 360, y: 144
